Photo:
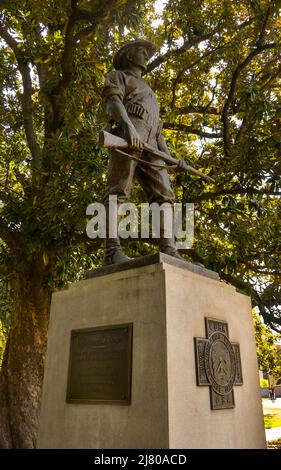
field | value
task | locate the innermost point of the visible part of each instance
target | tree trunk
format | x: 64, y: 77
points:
x: 22, y: 369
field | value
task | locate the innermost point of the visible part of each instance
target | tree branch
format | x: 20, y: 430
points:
x: 185, y: 47
x: 189, y: 44
x: 71, y: 40
x: 178, y: 80
x: 190, y: 130
x: 248, y: 120
x: 67, y: 70
x: 84, y: 32
x: 259, y: 47
x: 191, y: 109
x: 41, y: 68
x: 271, y: 79
x: 264, y: 25
x: 247, y: 288
x: 235, y: 76
x: 259, y: 270
x: 225, y: 192
x: 28, y: 111
x: 27, y: 107
x: 239, y: 284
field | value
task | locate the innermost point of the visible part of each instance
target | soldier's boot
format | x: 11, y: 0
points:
x: 167, y: 245
x: 113, y: 252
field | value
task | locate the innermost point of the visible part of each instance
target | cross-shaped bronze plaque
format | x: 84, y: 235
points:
x: 218, y: 364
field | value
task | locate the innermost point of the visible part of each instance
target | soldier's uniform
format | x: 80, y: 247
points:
x: 143, y: 110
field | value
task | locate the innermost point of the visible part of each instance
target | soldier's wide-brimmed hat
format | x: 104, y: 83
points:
x: 118, y: 58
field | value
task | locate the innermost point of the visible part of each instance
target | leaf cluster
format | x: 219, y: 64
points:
x: 217, y: 78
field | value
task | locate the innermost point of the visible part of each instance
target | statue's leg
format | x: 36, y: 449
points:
x: 120, y: 178
x: 156, y: 184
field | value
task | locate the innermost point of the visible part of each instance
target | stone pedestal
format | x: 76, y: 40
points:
x: 167, y: 302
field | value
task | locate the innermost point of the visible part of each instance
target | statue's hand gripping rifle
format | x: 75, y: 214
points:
x: 112, y: 141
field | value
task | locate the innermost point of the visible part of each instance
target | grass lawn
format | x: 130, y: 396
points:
x: 272, y: 418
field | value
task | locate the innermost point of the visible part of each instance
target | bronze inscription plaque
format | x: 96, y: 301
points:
x: 100, y: 365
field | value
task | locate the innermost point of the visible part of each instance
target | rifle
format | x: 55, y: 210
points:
x: 112, y: 141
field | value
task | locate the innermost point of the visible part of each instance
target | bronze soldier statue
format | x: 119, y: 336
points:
x: 134, y: 116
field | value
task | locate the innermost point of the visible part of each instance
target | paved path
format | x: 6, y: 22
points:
x: 272, y: 434
x: 271, y: 404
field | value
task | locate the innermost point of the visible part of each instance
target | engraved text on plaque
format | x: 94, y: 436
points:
x: 100, y: 365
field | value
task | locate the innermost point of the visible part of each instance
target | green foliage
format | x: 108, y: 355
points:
x: 220, y: 102
x: 217, y: 78
x: 44, y: 193
x: 269, y: 357
x: 273, y: 419
x: 263, y: 382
